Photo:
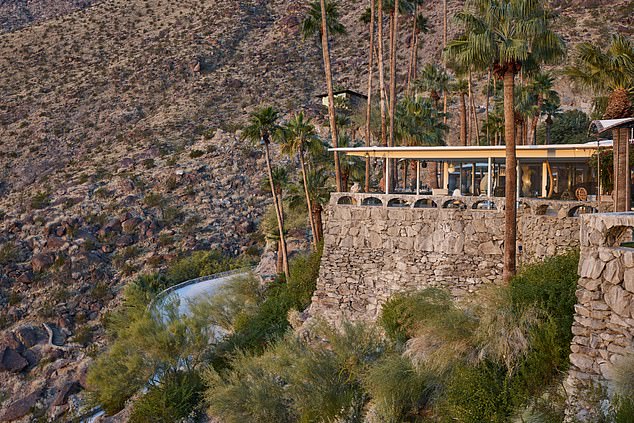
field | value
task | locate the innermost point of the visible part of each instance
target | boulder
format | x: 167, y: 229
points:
x: 41, y: 262
x: 21, y: 407
x: 67, y: 389
x: 54, y: 242
x: 124, y: 241
x: 130, y: 225
x: 30, y: 335
x: 12, y: 361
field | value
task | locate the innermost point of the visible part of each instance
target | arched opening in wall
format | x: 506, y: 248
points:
x: 579, y: 210
x: 346, y: 200
x: 397, y: 202
x: 371, y: 201
x: 454, y: 204
x: 620, y: 236
x: 425, y: 203
x: 545, y: 210
x: 484, y: 205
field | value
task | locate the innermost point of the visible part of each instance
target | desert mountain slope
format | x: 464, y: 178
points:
x: 118, y: 147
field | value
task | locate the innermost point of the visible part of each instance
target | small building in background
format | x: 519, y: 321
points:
x: 348, y: 100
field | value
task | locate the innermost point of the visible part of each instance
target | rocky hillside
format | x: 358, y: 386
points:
x: 16, y: 14
x: 118, y: 150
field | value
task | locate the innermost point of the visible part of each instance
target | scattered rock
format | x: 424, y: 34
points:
x: 21, y: 407
x: 42, y: 262
x: 12, y: 361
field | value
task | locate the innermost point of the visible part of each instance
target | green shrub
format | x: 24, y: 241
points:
x: 83, y: 336
x: 194, y: 154
x: 294, y: 380
x: 8, y: 253
x: 175, y: 397
x: 550, y: 286
x: 153, y: 199
x: 402, y: 314
x: 251, y: 392
x: 40, y: 200
x: 145, y: 349
x: 201, y: 263
x: 476, y: 394
x: 253, y: 332
x: 397, y: 389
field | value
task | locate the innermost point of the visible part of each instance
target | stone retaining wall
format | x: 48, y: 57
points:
x: 546, y: 236
x: 372, y: 252
x: 604, y: 315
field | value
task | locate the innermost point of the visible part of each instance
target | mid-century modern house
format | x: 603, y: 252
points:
x: 543, y: 171
x: 554, y: 172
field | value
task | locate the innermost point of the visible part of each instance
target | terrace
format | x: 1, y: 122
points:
x: 551, y: 179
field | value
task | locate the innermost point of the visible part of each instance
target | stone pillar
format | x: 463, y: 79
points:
x: 603, y: 326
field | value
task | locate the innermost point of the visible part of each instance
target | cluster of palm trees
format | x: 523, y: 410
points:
x: 504, y: 40
x: 298, y: 140
x: 609, y: 74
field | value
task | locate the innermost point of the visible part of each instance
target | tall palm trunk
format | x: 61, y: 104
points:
x: 278, y: 212
x: 444, y: 45
x: 549, y: 123
x: 382, y: 75
x: 463, y: 119
x: 331, y: 98
x: 317, y: 209
x: 394, y: 35
x: 308, y: 205
x: 368, y: 113
x: 621, y: 170
x: 535, y: 119
x: 412, y: 49
x: 510, y: 191
x: 392, y: 104
x: 488, y: 104
x: 474, y: 112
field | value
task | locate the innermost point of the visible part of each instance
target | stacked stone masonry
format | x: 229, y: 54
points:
x: 603, y: 325
x: 372, y: 252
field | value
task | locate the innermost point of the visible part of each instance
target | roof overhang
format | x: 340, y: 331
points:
x: 453, y: 153
x: 600, y: 126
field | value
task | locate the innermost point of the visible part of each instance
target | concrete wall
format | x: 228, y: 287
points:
x: 604, y: 315
x: 372, y: 252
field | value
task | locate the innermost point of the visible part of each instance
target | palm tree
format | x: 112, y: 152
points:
x: 262, y: 126
x: 610, y: 74
x: 461, y: 88
x: 418, y: 123
x: 550, y: 108
x: 541, y: 88
x: 435, y: 81
x: 525, y: 108
x: 299, y: 134
x: 420, y: 26
x: 505, y: 34
x: 381, y: 74
x: 368, y: 116
x: 329, y: 19
x: 280, y: 180
x: 393, y: 37
x: 319, y: 195
x: 352, y: 168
